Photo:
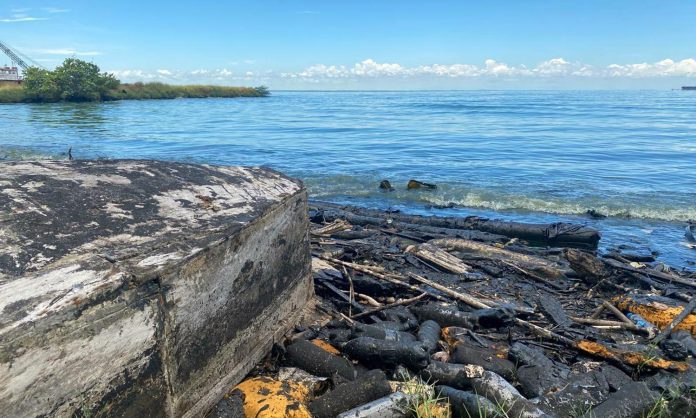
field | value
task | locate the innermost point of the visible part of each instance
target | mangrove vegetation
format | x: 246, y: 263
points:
x: 79, y: 81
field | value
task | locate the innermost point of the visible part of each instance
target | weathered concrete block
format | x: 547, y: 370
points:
x: 142, y: 288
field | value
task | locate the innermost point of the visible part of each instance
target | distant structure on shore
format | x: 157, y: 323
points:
x: 11, y: 73
x: 688, y: 87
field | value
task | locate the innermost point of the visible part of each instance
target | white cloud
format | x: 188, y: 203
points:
x: 664, y: 68
x: 197, y: 76
x: 557, y: 70
x: 22, y: 18
x: 20, y: 14
x: 54, y: 10
x: 133, y: 74
x: 555, y: 67
x: 67, y: 51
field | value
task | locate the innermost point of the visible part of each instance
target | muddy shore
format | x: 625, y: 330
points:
x: 424, y: 316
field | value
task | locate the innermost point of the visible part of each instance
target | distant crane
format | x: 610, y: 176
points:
x: 12, y: 73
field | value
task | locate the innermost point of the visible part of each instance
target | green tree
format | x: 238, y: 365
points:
x: 73, y: 81
x: 262, y: 91
x: 41, y: 85
x: 81, y: 81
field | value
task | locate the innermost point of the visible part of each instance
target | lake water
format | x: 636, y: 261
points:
x: 524, y: 155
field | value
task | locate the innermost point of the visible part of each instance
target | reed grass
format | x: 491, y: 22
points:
x: 143, y: 91
x: 11, y: 93
x: 14, y: 93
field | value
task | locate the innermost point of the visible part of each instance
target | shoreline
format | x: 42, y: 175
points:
x: 477, y: 316
x: 15, y: 94
x: 662, y: 239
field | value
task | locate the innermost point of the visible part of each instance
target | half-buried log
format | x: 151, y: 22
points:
x: 142, y: 288
x: 369, y: 387
x: 318, y: 361
x: 590, y: 268
x: 378, y: 353
x: 439, y: 258
x: 557, y: 234
x: 538, y: 265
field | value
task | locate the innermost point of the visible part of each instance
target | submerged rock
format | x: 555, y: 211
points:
x: 415, y: 184
x: 386, y: 186
x: 594, y: 214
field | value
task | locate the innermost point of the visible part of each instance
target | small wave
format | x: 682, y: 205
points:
x: 18, y: 153
x: 449, y: 196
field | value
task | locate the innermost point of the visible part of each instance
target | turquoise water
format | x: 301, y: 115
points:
x: 527, y: 155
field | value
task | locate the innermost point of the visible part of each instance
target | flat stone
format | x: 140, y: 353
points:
x: 143, y: 288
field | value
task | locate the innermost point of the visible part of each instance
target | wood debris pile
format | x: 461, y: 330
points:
x: 470, y: 317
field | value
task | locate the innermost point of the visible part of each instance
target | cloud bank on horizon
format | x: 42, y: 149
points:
x: 368, y: 44
x: 369, y: 69
x: 552, y: 68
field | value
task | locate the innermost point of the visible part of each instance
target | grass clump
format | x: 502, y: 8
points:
x: 424, y: 401
x: 143, y: 91
x: 12, y: 93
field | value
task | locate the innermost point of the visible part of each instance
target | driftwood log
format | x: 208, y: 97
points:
x: 385, y: 221
x: 557, y: 234
x: 437, y: 256
x: 532, y: 263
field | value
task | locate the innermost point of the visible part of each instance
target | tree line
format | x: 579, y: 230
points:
x: 80, y: 81
x: 73, y: 81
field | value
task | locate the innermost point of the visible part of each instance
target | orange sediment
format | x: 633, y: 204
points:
x: 657, y: 313
x: 265, y: 397
x: 631, y: 358
x: 326, y: 346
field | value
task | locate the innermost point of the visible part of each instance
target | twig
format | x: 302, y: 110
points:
x: 605, y: 324
x: 469, y: 300
x: 369, y: 300
x: 391, y: 305
x: 366, y: 270
x: 351, y: 291
x: 534, y: 276
x: 617, y: 312
x: 649, y: 272
x: 597, y: 312
x: 340, y: 294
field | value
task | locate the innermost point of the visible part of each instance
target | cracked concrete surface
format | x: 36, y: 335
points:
x: 142, y: 287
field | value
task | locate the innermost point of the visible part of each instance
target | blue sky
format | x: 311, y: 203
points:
x: 367, y: 44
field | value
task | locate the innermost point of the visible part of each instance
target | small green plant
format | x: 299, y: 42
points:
x: 423, y: 399
x: 582, y: 410
x: 649, y: 356
x: 659, y: 408
x: 502, y: 410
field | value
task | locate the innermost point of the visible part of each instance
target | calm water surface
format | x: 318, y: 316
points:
x: 531, y: 156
